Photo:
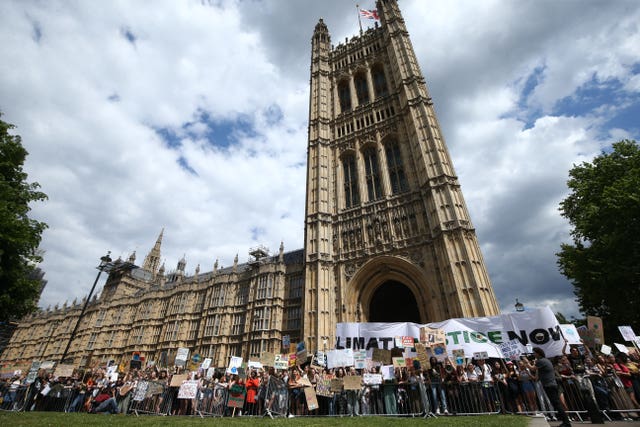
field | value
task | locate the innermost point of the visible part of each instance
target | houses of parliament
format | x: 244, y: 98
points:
x: 387, y: 235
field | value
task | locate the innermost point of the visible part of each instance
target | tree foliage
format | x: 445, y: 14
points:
x: 603, y: 263
x: 19, y: 234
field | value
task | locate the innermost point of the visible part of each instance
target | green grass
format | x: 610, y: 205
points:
x: 46, y: 419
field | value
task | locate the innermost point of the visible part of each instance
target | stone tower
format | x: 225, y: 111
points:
x: 387, y: 233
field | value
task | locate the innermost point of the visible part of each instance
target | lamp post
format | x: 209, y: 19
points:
x: 519, y: 306
x: 105, y: 261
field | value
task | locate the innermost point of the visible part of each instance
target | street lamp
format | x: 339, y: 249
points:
x: 519, y: 306
x: 105, y: 261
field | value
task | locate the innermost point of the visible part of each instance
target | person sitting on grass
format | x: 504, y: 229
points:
x: 106, y: 401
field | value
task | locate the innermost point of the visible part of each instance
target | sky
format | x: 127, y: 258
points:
x: 192, y: 116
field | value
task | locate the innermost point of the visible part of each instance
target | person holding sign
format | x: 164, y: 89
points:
x: 295, y: 392
x: 434, y: 375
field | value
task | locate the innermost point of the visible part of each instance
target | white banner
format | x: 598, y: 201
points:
x: 538, y: 328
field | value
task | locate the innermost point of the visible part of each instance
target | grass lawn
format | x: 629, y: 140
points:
x: 46, y: 419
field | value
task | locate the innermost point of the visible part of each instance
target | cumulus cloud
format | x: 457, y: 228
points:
x: 192, y: 116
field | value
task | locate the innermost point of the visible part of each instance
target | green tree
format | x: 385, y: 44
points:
x: 19, y: 234
x: 603, y: 263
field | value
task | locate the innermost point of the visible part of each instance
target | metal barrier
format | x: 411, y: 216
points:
x: 153, y: 397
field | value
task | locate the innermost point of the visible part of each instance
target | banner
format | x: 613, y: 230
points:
x: 538, y: 328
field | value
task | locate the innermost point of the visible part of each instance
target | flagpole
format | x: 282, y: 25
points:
x: 359, y: 20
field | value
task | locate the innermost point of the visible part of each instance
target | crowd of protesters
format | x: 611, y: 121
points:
x: 565, y: 387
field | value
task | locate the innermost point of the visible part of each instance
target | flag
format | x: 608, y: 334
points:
x: 370, y: 14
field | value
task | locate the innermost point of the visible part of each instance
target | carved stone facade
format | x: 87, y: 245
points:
x: 387, y: 234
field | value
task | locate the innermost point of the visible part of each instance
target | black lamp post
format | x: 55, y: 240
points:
x: 105, y: 262
x: 519, y: 306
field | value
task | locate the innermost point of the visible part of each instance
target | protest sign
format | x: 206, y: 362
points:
x: 234, y: 363
x: 141, y: 391
x: 381, y: 355
x: 267, y: 358
x: 64, y: 370
x: 627, y: 333
x: 281, y: 361
x: 188, y: 390
x: 237, y: 393
x: 399, y: 362
x: 310, y: 397
x: 512, y: 349
x: 422, y: 356
x: 480, y: 355
x: 439, y: 351
x: 621, y: 348
x: 340, y: 358
x: 570, y: 333
x: 388, y: 372
x: 178, y: 379
x: 292, y: 359
x: 323, y: 387
x: 359, y: 359
x: 371, y: 379
x: 594, y: 323
x: 352, y: 382
x: 431, y: 336
x: 206, y: 363
x: 605, y: 349
x: 182, y: 356
x: 336, y: 385
x: 285, y: 342
x: 458, y: 356
x: 252, y: 364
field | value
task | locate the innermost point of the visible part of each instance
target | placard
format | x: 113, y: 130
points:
x: 480, y: 355
x: 234, y: 363
x: 182, y: 356
x: 594, y: 323
x: 388, y: 372
x: 381, y: 355
x: 141, y: 391
x: 206, y: 363
x: 310, y: 397
x: 286, y: 342
x: 430, y: 336
x: 237, y: 393
x: 399, y: 362
x: 281, y: 361
x: 605, y: 349
x: 360, y: 359
x: 422, y: 356
x: 627, y: 333
x: 178, y: 379
x: 267, y: 358
x: 407, y: 342
x: 372, y: 379
x: 439, y: 351
x: 336, y: 385
x: 64, y: 370
x: 188, y: 390
x: 352, y: 382
x: 621, y: 347
x: 458, y: 356
x: 512, y: 349
x: 570, y: 333
x: 323, y: 387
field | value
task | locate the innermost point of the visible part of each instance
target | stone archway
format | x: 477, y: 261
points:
x: 386, y: 279
x: 393, y: 302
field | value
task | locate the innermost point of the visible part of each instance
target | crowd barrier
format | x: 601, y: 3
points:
x: 273, y: 398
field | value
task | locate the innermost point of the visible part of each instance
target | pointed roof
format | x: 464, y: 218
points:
x: 152, y: 260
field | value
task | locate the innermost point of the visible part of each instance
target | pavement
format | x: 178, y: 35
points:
x: 540, y: 421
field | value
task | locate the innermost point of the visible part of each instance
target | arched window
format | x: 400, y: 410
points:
x: 372, y: 174
x: 379, y: 81
x: 344, y: 93
x: 396, y: 169
x: 351, y: 194
x: 362, y: 90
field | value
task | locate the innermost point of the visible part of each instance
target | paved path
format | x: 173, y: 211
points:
x: 542, y: 422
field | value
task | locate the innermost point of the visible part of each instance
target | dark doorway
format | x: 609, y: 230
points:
x: 393, y: 302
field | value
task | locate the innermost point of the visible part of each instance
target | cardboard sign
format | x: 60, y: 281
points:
x: 188, y: 390
x: 399, y: 362
x: 336, y: 385
x: 178, y: 379
x: 439, y: 351
x: 381, y: 355
x: 388, y: 372
x: 64, y: 370
x: 141, y: 391
x: 292, y: 359
x: 267, y: 358
x: 352, y: 382
x: 310, y: 397
x: 480, y: 355
x: 422, y: 356
x: 570, y: 333
x: 182, y: 356
x: 431, y: 337
x: 512, y: 349
x: 458, y: 356
x: 323, y: 387
x: 206, y: 363
x: 286, y: 342
x: 594, y: 323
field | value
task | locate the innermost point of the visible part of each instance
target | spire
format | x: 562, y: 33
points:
x: 182, y: 264
x: 235, y: 263
x: 152, y: 260
x: 281, y: 254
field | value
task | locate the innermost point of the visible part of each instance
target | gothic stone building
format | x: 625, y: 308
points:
x: 387, y: 233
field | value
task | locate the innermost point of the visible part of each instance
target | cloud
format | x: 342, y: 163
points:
x: 192, y: 116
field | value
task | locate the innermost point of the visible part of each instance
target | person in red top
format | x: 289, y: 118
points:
x: 252, y: 384
x: 106, y: 401
x: 625, y: 376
